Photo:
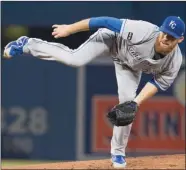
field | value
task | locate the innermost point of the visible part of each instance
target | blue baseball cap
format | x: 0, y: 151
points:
x: 173, y: 26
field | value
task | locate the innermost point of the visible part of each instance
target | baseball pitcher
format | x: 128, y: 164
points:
x: 135, y: 46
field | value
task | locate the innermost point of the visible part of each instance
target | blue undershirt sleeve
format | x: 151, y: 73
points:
x: 111, y: 23
x: 152, y: 81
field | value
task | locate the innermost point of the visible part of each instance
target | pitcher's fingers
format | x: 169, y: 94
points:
x: 54, y: 33
x: 57, y: 36
x: 54, y: 26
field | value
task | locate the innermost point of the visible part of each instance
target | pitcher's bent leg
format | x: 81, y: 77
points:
x: 98, y: 44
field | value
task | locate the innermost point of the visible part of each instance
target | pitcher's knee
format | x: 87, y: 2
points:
x: 77, y: 63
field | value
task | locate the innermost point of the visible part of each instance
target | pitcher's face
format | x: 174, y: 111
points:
x: 165, y: 43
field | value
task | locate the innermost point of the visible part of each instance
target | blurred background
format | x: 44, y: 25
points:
x: 50, y: 111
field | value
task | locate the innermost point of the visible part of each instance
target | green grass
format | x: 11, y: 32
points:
x: 20, y: 162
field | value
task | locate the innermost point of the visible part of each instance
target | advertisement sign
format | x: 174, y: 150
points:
x: 159, y: 125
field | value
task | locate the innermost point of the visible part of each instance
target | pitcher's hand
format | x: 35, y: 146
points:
x: 61, y: 31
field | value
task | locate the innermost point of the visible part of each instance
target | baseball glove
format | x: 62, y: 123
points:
x: 123, y: 114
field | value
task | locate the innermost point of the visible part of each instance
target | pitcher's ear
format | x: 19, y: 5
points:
x: 181, y: 39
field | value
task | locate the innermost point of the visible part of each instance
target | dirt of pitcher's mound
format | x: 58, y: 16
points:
x: 150, y: 162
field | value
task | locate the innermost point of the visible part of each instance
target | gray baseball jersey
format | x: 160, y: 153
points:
x: 136, y: 50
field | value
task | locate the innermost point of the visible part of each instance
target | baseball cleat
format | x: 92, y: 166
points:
x: 118, y: 161
x: 15, y: 48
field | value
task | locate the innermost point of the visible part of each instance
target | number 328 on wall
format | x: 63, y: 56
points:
x: 17, y: 120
